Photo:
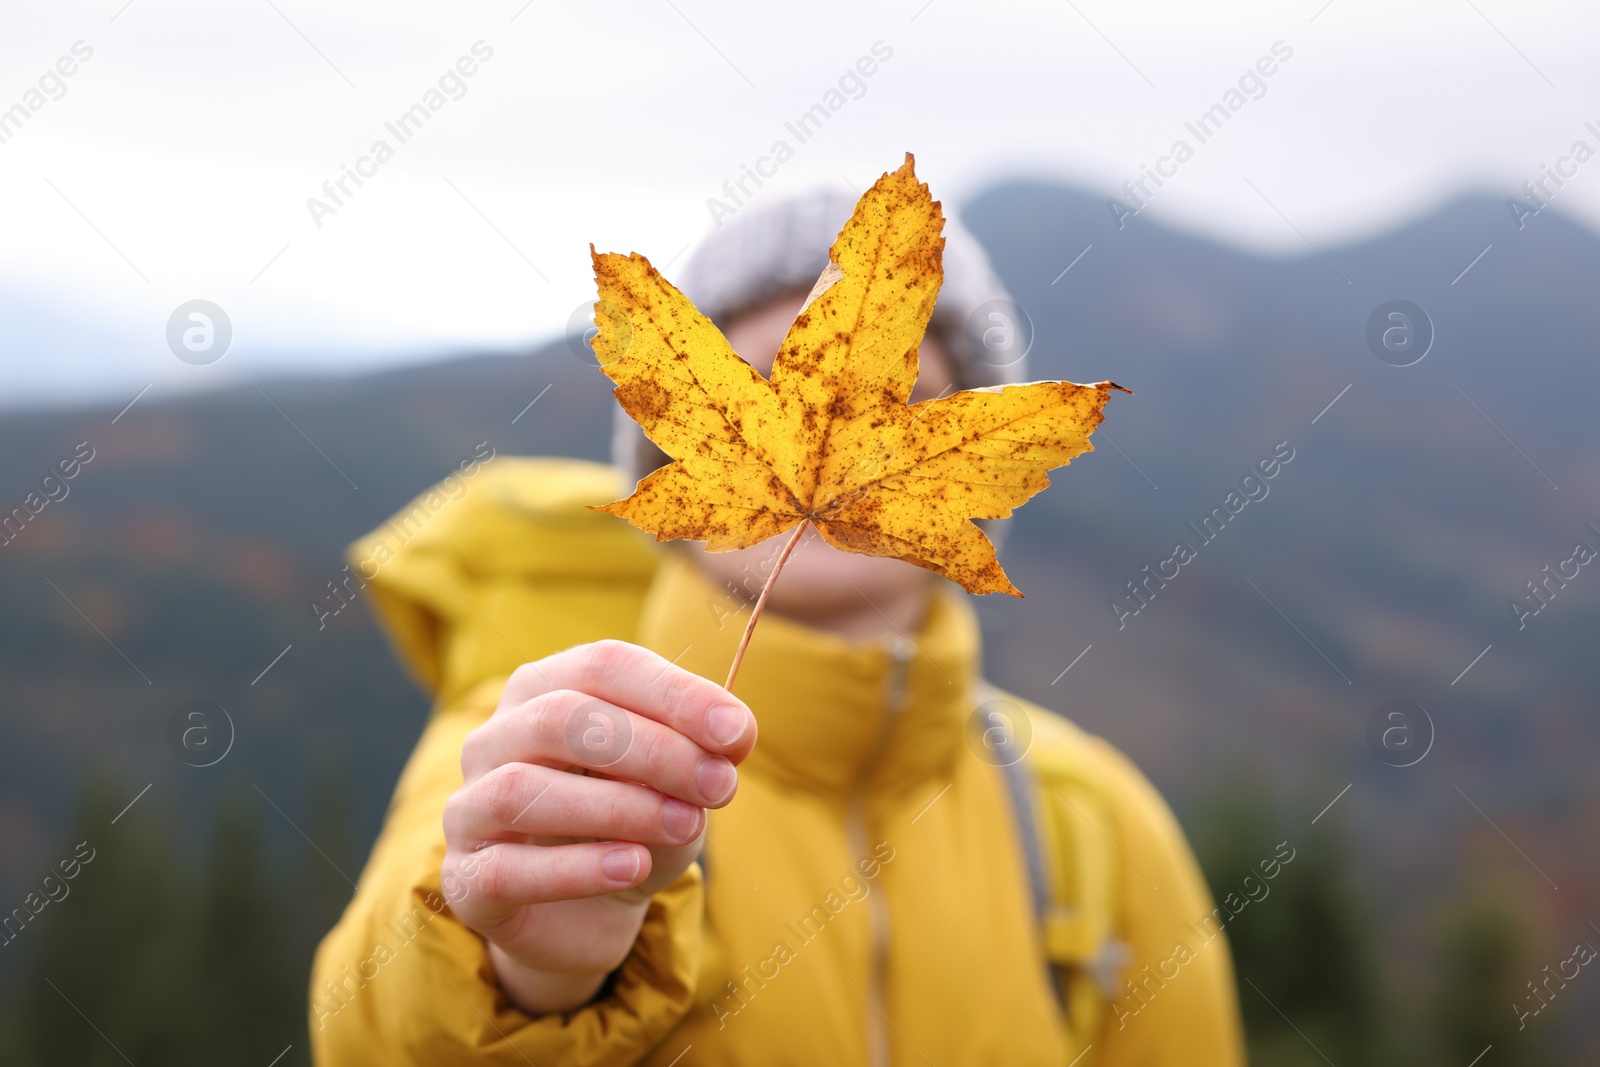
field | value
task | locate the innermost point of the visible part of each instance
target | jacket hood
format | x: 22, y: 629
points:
x: 472, y: 580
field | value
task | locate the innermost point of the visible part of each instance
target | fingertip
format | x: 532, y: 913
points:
x: 626, y: 865
x: 746, y: 744
x: 716, y: 780
x: 682, y: 822
x: 727, y: 723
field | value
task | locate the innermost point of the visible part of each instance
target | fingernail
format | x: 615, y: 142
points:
x: 726, y: 723
x: 680, y: 820
x: 620, y: 864
x: 715, y: 778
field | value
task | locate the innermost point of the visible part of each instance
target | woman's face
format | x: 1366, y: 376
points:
x: 821, y: 585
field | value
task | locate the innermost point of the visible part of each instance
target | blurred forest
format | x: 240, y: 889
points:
x: 1422, y: 903
x: 201, y: 956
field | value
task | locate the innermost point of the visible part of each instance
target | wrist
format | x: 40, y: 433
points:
x: 544, y: 992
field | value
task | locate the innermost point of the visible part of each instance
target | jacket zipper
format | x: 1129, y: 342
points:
x: 901, y: 652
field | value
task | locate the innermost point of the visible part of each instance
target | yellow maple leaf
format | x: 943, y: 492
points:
x: 830, y: 439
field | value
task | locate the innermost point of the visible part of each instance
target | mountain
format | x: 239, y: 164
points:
x: 1408, y: 506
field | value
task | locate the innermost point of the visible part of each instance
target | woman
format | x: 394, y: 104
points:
x: 862, y: 855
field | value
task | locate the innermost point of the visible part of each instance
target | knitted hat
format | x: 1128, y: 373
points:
x: 781, y: 247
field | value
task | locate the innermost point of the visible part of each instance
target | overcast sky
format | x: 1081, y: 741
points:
x: 176, y: 161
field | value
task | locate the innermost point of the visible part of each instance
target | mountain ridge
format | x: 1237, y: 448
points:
x: 1419, y: 501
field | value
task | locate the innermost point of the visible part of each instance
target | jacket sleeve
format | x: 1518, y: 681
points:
x: 1174, y: 1000
x: 486, y: 571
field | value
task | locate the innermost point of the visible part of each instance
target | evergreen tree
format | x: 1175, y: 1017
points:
x: 321, y: 891
x: 1327, y: 962
x: 1309, y: 984
x: 253, y: 1001
x: 107, y: 975
x: 1482, y: 965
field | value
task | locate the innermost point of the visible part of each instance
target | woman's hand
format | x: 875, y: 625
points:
x: 584, y: 794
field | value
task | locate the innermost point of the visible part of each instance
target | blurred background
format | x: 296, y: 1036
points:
x: 1388, y: 661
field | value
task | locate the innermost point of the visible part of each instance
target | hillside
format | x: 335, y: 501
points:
x: 189, y: 551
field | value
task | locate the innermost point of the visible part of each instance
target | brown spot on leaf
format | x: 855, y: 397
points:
x: 644, y: 400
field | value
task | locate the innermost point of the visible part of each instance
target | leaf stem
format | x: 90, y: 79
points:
x: 761, y: 601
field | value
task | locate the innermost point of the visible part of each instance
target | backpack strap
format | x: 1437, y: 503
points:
x: 1063, y: 820
x: 1020, y: 786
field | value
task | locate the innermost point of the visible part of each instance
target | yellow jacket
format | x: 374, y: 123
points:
x: 866, y: 897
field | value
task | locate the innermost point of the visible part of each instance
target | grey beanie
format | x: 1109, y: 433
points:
x: 781, y: 247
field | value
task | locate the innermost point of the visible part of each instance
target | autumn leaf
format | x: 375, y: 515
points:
x: 830, y: 440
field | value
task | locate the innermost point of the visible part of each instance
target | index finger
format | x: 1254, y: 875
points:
x: 646, y: 684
